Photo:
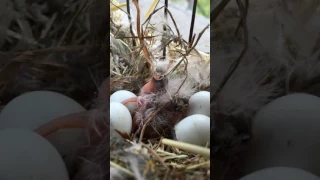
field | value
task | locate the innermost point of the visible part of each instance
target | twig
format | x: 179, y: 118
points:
x: 198, y: 39
x: 156, y: 156
x: 117, y: 7
x: 154, y: 4
x: 121, y: 168
x: 171, y: 16
x: 127, y: 37
x: 165, y: 27
x: 187, y: 147
x: 130, y: 20
x: 140, y: 35
x: 148, y: 121
x: 194, y: 166
x: 192, y: 21
x: 147, y: 22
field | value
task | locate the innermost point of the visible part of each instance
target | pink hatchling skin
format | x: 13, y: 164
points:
x: 154, y: 86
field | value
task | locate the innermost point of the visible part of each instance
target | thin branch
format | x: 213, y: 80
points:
x: 198, y: 39
x: 140, y: 34
x: 171, y: 16
x: 194, y: 10
x: 130, y: 20
x: 165, y: 27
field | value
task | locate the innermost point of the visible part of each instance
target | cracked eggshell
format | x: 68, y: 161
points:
x: 281, y: 173
x: 122, y: 95
x: 27, y: 155
x: 199, y: 103
x: 286, y: 133
x: 120, y: 118
x: 194, y: 129
x: 33, y: 109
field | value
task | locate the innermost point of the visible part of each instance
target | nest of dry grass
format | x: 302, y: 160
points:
x: 53, y: 45
x: 161, y: 160
x: 133, y: 56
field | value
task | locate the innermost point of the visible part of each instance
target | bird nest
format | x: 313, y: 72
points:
x: 140, y: 53
x: 57, y: 46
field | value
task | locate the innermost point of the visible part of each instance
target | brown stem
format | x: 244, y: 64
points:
x: 140, y: 35
x: 76, y: 120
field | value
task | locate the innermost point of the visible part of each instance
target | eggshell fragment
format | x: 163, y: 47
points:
x: 33, y: 109
x: 194, y: 129
x: 286, y: 133
x: 120, y: 118
x: 199, y: 103
x: 121, y: 96
x: 281, y: 173
x: 26, y: 154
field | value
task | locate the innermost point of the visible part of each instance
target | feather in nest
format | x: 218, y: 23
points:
x: 283, y: 57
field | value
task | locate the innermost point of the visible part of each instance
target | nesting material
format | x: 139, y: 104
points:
x: 60, y: 46
x: 163, y: 86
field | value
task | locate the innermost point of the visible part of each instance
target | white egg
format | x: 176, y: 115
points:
x: 120, y: 117
x: 194, y: 129
x: 33, y: 109
x: 26, y: 154
x: 286, y: 133
x: 122, y: 95
x: 281, y: 173
x: 199, y: 103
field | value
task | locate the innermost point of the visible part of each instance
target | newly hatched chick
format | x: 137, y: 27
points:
x: 162, y: 102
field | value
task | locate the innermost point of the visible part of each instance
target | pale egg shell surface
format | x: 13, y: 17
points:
x: 33, y: 109
x: 120, y: 118
x: 199, y: 103
x: 286, y: 133
x: 281, y: 173
x: 194, y: 129
x: 122, y: 95
x: 26, y: 154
